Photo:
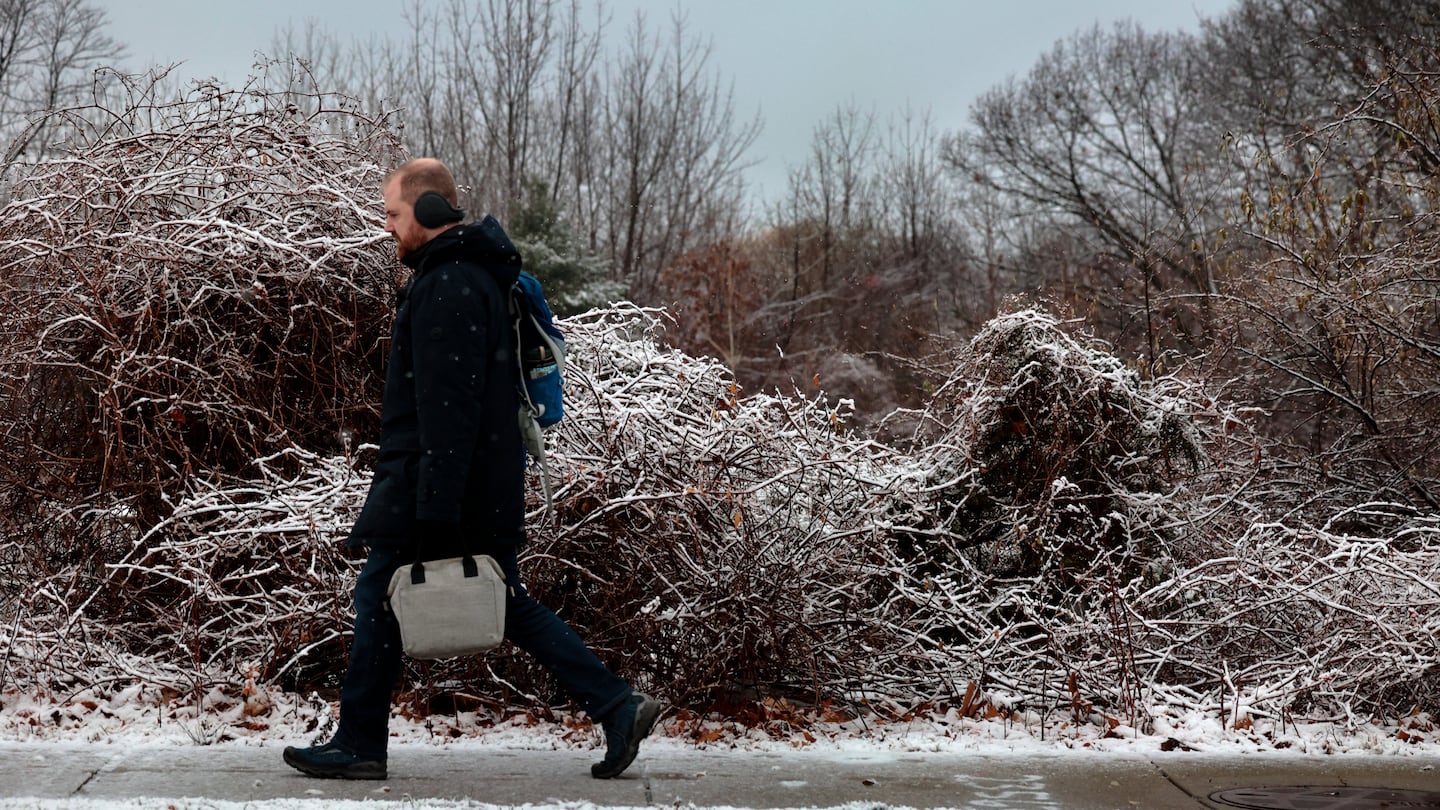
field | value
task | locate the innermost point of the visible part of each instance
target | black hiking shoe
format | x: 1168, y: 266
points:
x: 332, y: 761
x: 624, y: 729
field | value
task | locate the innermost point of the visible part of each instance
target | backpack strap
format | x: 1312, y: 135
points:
x: 531, y: 434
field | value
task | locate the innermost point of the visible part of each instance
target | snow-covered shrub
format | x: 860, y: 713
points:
x: 713, y: 547
x: 1047, y: 454
x: 1052, y: 481
x: 193, y: 285
x: 1297, y: 620
x: 245, y: 575
x: 703, y: 542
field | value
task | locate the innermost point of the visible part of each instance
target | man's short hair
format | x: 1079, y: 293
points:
x: 420, y: 175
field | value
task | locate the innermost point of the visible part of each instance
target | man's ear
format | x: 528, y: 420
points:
x: 434, y: 211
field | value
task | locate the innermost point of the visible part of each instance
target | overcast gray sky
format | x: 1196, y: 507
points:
x: 793, y: 61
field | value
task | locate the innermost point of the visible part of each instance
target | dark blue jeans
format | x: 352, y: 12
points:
x: 375, y: 653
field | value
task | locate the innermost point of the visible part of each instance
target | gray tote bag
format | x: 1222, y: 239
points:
x: 448, y: 608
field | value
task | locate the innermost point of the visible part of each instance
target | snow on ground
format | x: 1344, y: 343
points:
x: 326, y: 804
x: 134, y: 716
x: 131, y: 718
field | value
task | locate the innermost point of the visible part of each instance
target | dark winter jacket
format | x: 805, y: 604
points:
x: 450, y: 452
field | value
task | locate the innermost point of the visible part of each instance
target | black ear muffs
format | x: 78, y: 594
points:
x: 434, y: 211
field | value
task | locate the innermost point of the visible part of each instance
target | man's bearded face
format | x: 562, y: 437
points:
x: 400, y: 222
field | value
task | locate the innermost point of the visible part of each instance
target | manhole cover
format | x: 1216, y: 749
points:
x: 1326, y: 798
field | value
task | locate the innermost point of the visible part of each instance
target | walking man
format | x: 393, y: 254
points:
x: 450, y: 474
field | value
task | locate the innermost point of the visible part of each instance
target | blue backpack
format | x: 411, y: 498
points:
x: 540, y: 357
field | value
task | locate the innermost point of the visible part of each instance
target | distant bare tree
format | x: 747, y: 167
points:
x: 640, y: 149
x: 676, y: 152
x: 571, y: 108
x: 864, y: 262
x: 514, y: 55
x: 1099, y: 139
x: 48, y: 52
x: 1336, y: 322
x: 410, y: 70
x: 914, y: 185
x: 829, y: 188
x: 921, y: 230
x: 1285, y: 69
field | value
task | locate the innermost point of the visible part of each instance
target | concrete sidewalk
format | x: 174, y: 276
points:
x: 676, y: 776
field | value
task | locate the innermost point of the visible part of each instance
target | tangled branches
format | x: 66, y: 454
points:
x: 245, y: 575
x: 194, y: 285
x: 715, y: 542
x: 702, y: 541
x: 714, y: 547
x: 1309, y: 620
x: 1047, y: 455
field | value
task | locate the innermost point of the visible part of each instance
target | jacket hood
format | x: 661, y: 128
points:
x: 484, y: 243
